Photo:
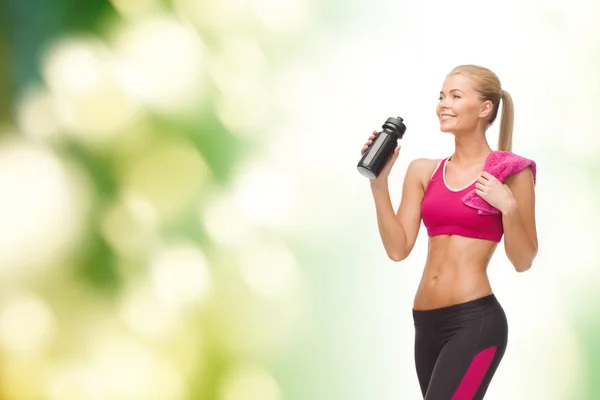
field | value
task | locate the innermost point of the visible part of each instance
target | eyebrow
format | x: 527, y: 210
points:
x: 453, y: 90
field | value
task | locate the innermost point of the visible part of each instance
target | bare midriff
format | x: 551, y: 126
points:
x: 455, y: 272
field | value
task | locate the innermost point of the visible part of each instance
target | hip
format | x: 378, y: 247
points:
x: 447, y: 321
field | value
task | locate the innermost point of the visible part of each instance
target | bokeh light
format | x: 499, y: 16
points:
x: 83, y: 77
x: 180, y: 276
x: 247, y: 381
x: 26, y: 324
x: 42, y: 207
x: 164, y: 63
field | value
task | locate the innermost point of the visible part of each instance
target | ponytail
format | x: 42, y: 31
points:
x: 506, y: 123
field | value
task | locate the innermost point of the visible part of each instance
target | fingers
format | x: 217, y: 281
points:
x: 487, y: 175
x: 366, y: 146
x: 385, y: 172
x: 368, y: 143
x: 487, y: 179
x: 394, y: 156
x: 479, y: 186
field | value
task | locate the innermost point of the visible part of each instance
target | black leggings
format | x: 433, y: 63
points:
x: 458, y: 348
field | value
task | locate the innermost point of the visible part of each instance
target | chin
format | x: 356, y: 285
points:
x: 446, y: 129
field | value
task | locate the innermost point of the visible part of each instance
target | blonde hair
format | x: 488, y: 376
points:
x: 488, y: 85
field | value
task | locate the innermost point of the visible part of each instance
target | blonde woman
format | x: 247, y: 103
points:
x: 467, y: 202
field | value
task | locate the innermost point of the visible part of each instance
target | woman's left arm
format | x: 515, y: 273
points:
x: 518, y: 219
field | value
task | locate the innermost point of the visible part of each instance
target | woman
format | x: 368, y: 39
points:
x: 460, y: 328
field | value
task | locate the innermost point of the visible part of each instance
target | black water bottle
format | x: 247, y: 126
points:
x: 379, y: 152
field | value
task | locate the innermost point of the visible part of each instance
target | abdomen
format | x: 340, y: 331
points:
x: 455, y: 271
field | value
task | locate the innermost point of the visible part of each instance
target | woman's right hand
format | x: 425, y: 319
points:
x: 387, y: 168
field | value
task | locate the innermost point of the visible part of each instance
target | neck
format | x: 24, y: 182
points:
x: 470, y: 149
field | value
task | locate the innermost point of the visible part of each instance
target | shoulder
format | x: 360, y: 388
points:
x: 510, y: 158
x: 525, y: 176
x: 423, y: 166
x: 421, y: 169
x: 516, y: 166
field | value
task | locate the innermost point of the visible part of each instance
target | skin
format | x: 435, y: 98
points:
x: 456, y: 266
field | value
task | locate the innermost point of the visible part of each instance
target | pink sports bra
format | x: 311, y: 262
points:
x: 444, y: 213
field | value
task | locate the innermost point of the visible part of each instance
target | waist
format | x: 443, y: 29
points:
x: 445, y: 282
x: 457, y: 312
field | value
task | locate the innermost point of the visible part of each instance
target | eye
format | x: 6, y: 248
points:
x: 456, y: 96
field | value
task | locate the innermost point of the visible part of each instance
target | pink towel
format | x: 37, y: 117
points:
x: 500, y: 164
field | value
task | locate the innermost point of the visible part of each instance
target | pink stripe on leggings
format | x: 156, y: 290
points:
x: 475, y: 374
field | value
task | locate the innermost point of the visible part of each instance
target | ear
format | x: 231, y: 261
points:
x: 486, y: 109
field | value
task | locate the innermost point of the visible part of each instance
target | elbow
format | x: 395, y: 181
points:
x: 397, y: 257
x: 523, y: 262
x: 522, y: 267
x: 398, y: 252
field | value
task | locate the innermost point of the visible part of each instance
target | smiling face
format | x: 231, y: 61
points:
x: 461, y: 107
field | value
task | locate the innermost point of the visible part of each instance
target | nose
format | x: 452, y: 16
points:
x: 444, y: 102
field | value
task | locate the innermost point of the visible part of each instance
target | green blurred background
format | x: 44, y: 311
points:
x: 181, y: 217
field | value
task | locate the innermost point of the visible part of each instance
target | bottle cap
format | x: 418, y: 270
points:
x: 396, y: 125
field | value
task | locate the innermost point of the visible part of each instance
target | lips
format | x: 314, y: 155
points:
x: 445, y: 117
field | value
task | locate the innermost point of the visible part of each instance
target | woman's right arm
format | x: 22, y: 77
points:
x: 399, y: 230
